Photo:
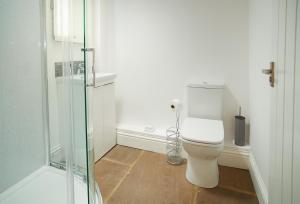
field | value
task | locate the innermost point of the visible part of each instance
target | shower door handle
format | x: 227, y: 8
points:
x: 92, y: 50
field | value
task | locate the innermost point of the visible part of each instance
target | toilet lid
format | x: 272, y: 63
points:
x: 203, y: 130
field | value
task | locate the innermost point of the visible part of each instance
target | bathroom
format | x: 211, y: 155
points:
x: 149, y: 101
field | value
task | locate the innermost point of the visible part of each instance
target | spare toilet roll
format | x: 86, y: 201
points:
x: 176, y: 105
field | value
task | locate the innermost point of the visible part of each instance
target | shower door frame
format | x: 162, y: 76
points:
x: 44, y: 71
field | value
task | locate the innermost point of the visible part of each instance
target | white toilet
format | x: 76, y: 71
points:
x: 202, y: 133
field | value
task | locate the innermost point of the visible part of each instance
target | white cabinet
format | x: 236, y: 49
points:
x: 104, y: 119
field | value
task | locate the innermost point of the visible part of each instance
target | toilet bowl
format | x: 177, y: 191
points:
x: 203, y: 140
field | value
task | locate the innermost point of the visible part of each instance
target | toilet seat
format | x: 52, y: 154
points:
x: 202, y: 144
x: 202, y: 131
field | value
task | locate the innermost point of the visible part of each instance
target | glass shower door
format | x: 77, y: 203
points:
x: 45, y: 140
x: 89, y: 62
x: 71, y: 142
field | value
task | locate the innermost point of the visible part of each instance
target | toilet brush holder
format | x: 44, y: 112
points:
x: 239, y: 130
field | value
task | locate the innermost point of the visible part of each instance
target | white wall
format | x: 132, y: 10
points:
x: 260, y: 91
x: 22, y: 145
x: 156, y: 46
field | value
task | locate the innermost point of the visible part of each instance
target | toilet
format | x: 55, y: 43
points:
x: 202, y: 133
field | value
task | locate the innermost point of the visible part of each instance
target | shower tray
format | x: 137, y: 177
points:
x: 47, y: 185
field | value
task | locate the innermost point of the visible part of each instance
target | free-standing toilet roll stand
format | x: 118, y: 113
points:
x: 173, y: 136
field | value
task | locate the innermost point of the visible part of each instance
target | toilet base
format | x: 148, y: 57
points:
x: 203, y: 173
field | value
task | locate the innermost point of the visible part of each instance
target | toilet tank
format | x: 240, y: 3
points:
x: 205, y: 100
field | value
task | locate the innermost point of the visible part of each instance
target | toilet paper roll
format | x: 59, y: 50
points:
x: 176, y: 105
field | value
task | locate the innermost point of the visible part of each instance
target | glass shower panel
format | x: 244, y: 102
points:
x: 70, y: 138
x: 89, y: 59
x: 46, y: 150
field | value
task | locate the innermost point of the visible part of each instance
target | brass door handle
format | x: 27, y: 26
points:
x: 270, y: 72
x: 267, y: 71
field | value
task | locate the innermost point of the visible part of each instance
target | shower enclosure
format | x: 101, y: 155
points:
x: 46, y: 63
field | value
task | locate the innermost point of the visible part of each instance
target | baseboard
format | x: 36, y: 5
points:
x: 141, y: 142
x: 231, y: 156
x: 235, y: 157
x: 259, y: 185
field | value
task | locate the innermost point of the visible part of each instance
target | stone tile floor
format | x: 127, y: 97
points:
x: 132, y: 176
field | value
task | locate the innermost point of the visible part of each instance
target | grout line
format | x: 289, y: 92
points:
x: 195, y: 196
x: 123, y: 178
x: 116, y: 162
x: 137, y: 159
x: 238, y: 190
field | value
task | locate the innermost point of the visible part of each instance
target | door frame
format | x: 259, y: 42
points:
x: 281, y: 145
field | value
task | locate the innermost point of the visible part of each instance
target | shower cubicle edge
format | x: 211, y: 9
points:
x: 44, y: 76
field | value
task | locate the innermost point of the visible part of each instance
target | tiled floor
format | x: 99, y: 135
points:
x: 131, y: 176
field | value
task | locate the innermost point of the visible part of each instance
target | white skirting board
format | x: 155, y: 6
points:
x: 231, y: 156
x: 259, y: 185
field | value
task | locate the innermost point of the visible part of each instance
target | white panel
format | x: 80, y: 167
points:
x: 109, y: 116
x: 22, y: 148
x: 98, y: 122
x: 78, y: 118
x: 289, y: 72
x: 296, y: 142
x: 104, y: 121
